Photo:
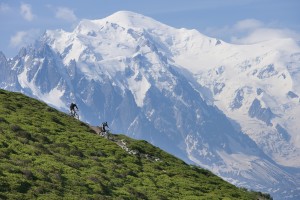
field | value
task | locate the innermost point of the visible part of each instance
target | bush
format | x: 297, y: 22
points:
x: 56, y: 120
x: 43, y: 139
x: 15, y: 128
x: 24, y: 187
x: 49, y: 109
x: 9, y: 107
x: 3, y: 144
x: 24, y: 134
x: 2, y: 120
x: 28, y: 174
x: 4, y: 186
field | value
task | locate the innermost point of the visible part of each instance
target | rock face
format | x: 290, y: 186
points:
x: 9, y: 79
x: 263, y: 114
x: 232, y: 109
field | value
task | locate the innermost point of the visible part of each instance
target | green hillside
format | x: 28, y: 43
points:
x: 46, y: 154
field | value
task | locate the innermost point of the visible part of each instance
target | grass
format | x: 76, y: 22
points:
x: 46, y: 154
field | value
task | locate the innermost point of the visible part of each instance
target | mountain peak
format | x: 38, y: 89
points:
x: 2, y: 56
x: 131, y: 19
x: 126, y: 19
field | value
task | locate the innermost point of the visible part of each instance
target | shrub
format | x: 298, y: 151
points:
x: 19, y: 105
x: 44, y: 130
x: 3, y: 197
x: 9, y: 107
x: 136, y: 194
x: 4, y: 186
x: 2, y: 120
x: 24, y: 134
x: 15, y: 128
x: 28, y: 174
x: 3, y: 144
x: 56, y: 120
x: 77, y: 152
x: 40, y: 148
x: 98, y: 153
x: 75, y: 164
x: 24, y: 187
x: 43, y: 139
x: 49, y: 109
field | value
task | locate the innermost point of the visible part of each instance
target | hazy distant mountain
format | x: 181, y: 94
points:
x: 230, y: 108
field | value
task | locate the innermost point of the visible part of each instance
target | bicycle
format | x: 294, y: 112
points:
x: 103, y: 131
x: 74, y: 114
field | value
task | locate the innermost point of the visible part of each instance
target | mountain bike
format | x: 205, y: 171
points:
x: 74, y: 114
x: 104, y: 132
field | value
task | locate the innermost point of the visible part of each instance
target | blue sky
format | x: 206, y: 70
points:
x: 234, y: 21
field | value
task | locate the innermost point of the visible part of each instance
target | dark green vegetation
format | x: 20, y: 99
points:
x: 46, y: 154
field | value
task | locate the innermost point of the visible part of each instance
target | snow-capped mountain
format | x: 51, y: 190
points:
x: 230, y: 108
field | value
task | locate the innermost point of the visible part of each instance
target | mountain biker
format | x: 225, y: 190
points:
x: 72, y: 108
x: 104, y: 124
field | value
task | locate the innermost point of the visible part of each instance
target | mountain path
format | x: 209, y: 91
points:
x: 122, y: 143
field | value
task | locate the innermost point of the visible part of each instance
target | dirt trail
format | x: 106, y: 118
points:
x: 122, y: 143
x: 95, y: 128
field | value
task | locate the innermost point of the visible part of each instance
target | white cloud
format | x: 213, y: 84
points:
x: 4, y: 8
x: 26, y: 12
x: 250, y: 31
x: 65, y: 14
x: 264, y: 34
x: 248, y: 24
x: 23, y: 38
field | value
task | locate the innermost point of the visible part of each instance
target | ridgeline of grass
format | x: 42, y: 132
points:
x: 46, y: 154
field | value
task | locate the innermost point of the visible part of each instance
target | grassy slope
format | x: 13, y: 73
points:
x: 46, y: 154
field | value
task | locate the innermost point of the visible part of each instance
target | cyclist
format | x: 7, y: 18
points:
x: 104, y: 124
x: 72, y: 109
